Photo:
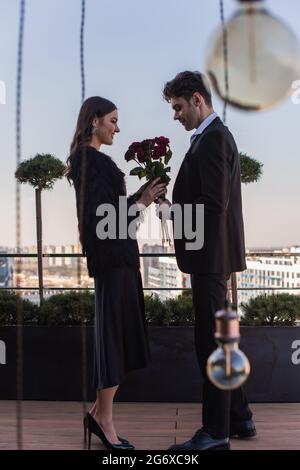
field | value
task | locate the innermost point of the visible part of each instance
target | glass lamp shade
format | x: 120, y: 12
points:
x: 228, y: 367
x: 263, y: 58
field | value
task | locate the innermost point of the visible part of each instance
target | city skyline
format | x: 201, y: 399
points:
x: 155, y: 243
x: 129, y: 61
x: 275, y: 272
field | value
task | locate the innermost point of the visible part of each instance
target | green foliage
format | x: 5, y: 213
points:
x: 168, y: 157
x: 67, y: 308
x: 41, y: 171
x: 156, y: 312
x: 8, y: 309
x: 152, y: 171
x: 172, y: 312
x: 251, y: 169
x: 157, y: 169
x: 138, y: 171
x: 181, y: 310
x: 270, y: 310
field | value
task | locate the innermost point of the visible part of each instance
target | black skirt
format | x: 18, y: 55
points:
x: 120, y: 335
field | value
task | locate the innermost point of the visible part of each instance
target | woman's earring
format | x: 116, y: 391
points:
x: 94, y: 130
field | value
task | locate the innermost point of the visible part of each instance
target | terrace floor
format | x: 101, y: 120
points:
x: 150, y: 426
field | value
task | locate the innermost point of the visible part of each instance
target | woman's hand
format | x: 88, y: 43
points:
x: 141, y: 190
x: 153, y: 191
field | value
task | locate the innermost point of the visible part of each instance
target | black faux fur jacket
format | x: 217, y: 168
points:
x: 103, y: 183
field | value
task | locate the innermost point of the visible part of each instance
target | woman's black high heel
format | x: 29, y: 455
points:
x: 91, y: 426
x: 85, y: 428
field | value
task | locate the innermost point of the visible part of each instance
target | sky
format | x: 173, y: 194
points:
x: 132, y: 48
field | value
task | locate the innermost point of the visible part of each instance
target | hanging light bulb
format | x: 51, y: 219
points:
x: 227, y: 367
x: 263, y: 57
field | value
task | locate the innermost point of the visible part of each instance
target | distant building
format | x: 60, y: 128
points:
x: 50, y: 250
x: 167, y: 275
x: 60, y: 250
x: 150, y: 261
x: 70, y: 249
x: 6, y: 272
x: 279, y: 269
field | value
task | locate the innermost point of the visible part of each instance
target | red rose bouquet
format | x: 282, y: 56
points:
x: 152, y: 156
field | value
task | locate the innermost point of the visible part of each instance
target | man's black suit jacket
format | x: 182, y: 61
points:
x: 210, y: 175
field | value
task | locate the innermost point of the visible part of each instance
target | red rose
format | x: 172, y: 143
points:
x: 129, y: 155
x: 148, y: 143
x: 159, y: 151
x: 162, y: 140
x: 135, y: 145
x: 141, y: 154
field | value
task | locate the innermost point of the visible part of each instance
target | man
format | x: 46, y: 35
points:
x: 210, y: 175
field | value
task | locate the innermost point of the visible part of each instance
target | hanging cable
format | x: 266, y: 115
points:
x: 19, y: 358
x: 82, y: 50
x: 225, y: 55
x: 234, y: 296
x: 81, y: 215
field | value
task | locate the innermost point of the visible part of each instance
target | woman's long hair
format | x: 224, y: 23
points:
x: 91, y: 108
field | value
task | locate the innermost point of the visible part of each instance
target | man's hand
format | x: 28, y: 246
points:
x: 163, y: 209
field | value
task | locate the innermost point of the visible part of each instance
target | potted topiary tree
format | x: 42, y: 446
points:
x: 251, y: 169
x: 40, y: 172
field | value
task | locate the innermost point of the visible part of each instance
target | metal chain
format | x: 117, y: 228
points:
x: 225, y: 55
x: 82, y: 50
x: 19, y: 358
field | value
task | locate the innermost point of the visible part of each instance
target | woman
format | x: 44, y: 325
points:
x: 121, y: 343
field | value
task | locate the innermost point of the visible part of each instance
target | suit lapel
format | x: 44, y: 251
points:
x: 196, y: 140
x: 198, y: 137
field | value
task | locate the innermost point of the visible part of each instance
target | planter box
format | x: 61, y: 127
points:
x: 52, y: 365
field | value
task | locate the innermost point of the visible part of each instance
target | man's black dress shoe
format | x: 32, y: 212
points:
x: 203, y: 441
x: 243, y: 429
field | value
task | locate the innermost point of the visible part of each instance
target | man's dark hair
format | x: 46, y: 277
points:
x: 185, y: 84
